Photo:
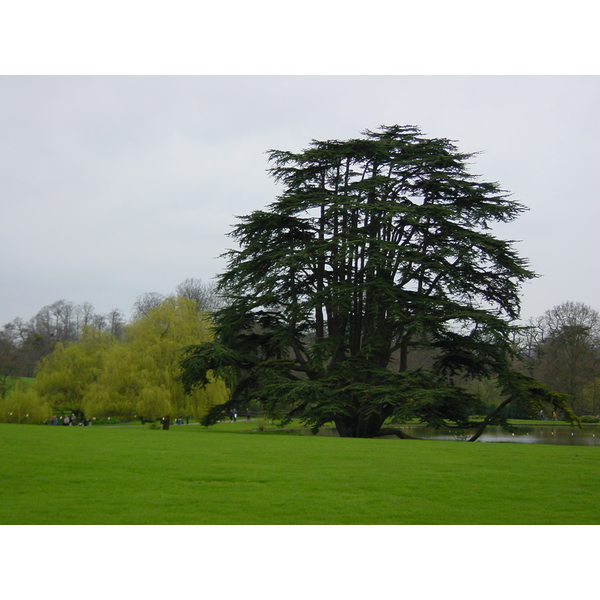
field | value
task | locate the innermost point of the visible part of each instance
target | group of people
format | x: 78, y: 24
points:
x: 166, y: 421
x: 233, y: 415
x: 543, y: 415
x: 69, y: 420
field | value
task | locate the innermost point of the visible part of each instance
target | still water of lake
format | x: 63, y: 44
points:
x: 537, y: 434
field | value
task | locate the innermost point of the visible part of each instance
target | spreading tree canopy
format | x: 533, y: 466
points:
x: 369, y: 289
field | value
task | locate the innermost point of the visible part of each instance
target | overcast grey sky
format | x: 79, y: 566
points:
x: 115, y: 186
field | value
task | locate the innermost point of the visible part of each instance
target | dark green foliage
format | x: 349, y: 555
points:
x: 378, y: 250
x: 589, y: 419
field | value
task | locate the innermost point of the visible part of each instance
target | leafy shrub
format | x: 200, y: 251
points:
x: 23, y: 406
x: 589, y: 419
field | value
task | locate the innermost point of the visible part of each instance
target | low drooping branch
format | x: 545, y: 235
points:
x: 489, y: 419
x: 395, y: 431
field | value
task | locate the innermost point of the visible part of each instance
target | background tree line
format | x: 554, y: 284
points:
x: 96, y: 365
x: 71, y: 346
x: 24, y: 343
x: 562, y: 349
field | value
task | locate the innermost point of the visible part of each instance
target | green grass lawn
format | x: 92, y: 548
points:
x: 191, y: 475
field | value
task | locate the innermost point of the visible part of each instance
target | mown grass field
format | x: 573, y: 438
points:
x: 191, y: 475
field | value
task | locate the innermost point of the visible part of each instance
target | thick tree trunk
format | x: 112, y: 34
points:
x: 345, y: 427
x: 359, y: 428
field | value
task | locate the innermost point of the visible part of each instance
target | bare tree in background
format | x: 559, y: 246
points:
x: 205, y: 295
x: 562, y: 349
x: 115, y: 323
x: 145, y: 303
x: 84, y: 315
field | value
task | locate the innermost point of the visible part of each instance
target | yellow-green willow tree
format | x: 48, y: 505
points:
x: 101, y: 376
x: 141, y: 376
x: 20, y: 405
x: 64, y: 377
